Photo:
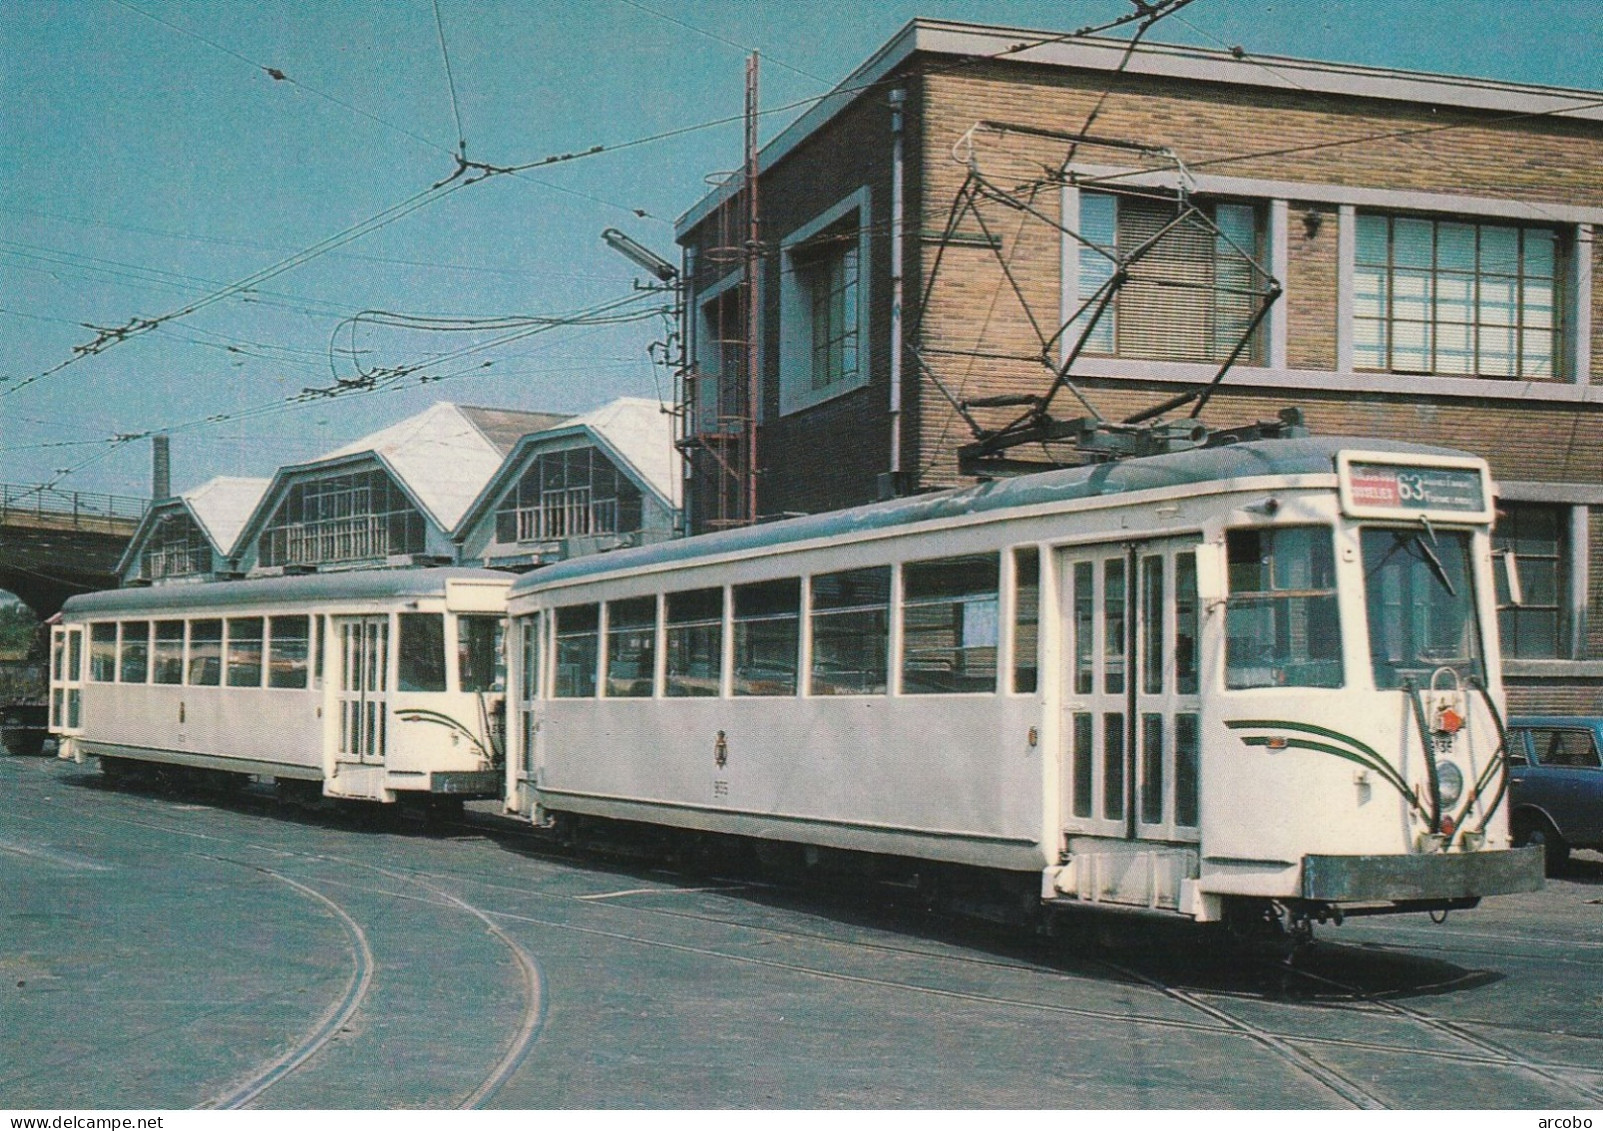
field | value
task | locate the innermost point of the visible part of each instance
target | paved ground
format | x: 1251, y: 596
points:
x: 172, y: 952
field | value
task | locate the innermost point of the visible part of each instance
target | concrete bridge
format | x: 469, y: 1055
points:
x: 55, y: 543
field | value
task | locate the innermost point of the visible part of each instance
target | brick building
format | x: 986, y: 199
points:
x: 1432, y: 238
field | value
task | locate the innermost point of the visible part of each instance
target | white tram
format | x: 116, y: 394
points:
x: 1258, y: 679
x: 378, y: 685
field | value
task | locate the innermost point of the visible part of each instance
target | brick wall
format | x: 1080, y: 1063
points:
x: 828, y: 456
x: 1210, y: 126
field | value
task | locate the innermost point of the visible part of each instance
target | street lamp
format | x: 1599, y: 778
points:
x: 641, y: 256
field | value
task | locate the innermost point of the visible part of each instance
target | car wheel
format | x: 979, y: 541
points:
x: 1535, y: 829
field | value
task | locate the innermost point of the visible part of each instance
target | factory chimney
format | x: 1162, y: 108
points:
x: 161, y: 470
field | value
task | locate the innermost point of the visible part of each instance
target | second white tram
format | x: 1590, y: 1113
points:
x: 1256, y: 679
x: 377, y: 685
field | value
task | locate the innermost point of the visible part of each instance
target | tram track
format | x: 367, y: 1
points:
x: 1296, y: 1049
x: 1495, y: 1053
x: 340, y: 1013
x: 334, y: 1019
x: 1289, y: 1046
x: 533, y: 990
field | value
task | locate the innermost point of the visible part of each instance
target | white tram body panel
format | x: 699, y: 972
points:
x: 1262, y: 672
x: 375, y: 684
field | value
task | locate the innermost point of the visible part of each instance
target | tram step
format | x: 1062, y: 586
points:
x: 1129, y: 877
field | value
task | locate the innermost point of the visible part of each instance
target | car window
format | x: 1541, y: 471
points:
x: 1565, y: 746
x: 1519, y: 745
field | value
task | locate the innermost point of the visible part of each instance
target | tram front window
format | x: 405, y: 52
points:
x: 1421, y: 601
x: 1281, y: 617
x: 478, y: 654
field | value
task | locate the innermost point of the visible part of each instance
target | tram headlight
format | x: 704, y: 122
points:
x: 1449, y: 782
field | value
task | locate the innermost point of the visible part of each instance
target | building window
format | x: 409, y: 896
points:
x: 823, y: 306
x: 827, y: 270
x: 176, y: 548
x: 342, y: 518
x: 577, y: 493
x: 1189, y: 299
x: 719, y: 394
x: 1455, y: 297
x: 1536, y: 535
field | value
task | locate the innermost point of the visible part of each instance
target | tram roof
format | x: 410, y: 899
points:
x: 1312, y: 455
x: 362, y: 584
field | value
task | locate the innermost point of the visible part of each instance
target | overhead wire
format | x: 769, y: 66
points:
x: 450, y: 81
x: 601, y: 314
x: 1154, y: 12
x: 279, y: 75
x: 107, y: 337
x: 279, y: 249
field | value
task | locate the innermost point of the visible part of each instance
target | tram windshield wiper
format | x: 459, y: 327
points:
x: 1429, y: 552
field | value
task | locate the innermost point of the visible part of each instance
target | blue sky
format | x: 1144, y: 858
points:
x: 150, y: 158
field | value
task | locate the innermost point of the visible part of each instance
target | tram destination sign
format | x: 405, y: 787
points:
x: 1376, y: 488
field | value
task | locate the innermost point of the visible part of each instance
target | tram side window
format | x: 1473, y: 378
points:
x: 103, y: 652
x: 1187, y: 623
x: 1026, y: 619
x: 850, y: 626
x: 1281, y: 620
x: 479, y: 659
x: 695, y: 643
x: 134, y: 659
x: 578, y: 651
x: 288, y: 648
x: 245, y: 652
x: 421, y: 664
x: 529, y: 687
x: 767, y: 637
x: 167, y: 654
x: 631, y: 648
x: 949, y: 625
x: 205, y: 653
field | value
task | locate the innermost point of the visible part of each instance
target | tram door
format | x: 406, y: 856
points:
x: 362, y: 687
x: 66, y: 679
x: 1130, y: 690
x: 529, y: 694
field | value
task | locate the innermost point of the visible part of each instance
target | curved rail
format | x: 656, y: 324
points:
x: 533, y: 984
x: 332, y: 1021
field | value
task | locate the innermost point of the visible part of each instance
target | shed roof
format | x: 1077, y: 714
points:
x: 223, y: 505
x: 636, y: 432
x: 442, y: 456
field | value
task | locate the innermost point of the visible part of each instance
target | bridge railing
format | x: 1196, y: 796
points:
x: 81, y: 510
